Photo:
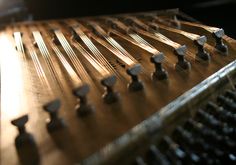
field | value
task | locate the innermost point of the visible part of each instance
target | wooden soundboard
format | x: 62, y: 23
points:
x: 114, y: 57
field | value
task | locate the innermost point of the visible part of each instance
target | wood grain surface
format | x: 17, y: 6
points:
x: 22, y: 92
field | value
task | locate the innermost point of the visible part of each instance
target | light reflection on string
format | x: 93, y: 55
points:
x: 97, y: 54
x: 73, y: 58
x: 114, y: 47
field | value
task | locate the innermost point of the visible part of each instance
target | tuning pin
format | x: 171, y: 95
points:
x: 187, y: 141
x: 195, y: 127
x: 25, y: 144
x: 188, y: 125
x: 208, y: 119
x: 153, y: 26
x: 216, y: 111
x: 110, y: 96
x: 182, y: 63
x: 180, y: 133
x: 55, y: 122
x: 219, y: 42
x: 82, y: 108
x: 20, y: 123
x: 54, y: 37
x: 175, y: 22
x: 92, y: 28
x: 129, y: 21
x: 221, y: 113
x: 227, y: 103
x: 172, y: 147
x: 228, y: 131
x: 215, y: 142
x: 113, y: 24
x: 210, y: 135
x: 74, y: 35
x: 135, y: 84
x: 35, y: 44
x: 135, y: 23
x: 202, y: 146
x: 227, y: 144
x: 212, y: 106
x: 154, y: 156
x: 202, y: 54
x: 56, y: 41
x: 139, y: 161
x: 159, y: 73
x: 23, y: 137
x: 231, y: 94
x: 217, y: 125
x: 146, y: 16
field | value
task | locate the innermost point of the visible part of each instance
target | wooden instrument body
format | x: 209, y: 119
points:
x: 86, y: 135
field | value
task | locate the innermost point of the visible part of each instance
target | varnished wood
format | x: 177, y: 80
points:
x: 86, y: 135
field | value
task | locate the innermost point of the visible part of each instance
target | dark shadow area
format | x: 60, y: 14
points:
x: 64, y: 141
x: 221, y: 15
x: 27, y: 150
x: 218, y: 13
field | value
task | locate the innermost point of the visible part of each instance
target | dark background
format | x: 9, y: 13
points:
x: 220, y: 13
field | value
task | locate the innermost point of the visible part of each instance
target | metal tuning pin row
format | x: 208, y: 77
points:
x: 206, y: 138
x: 217, y: 33
x: 197, y: 40
x: 25, y: 143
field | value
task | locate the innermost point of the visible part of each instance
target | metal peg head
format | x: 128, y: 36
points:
x: 21, y: 121
x: 109, y: 81
x: 134, y: 70
x: 158, y: 58
x: 181, y: 50
x: 219, y: 33
x: 201, y: 40
x: 53, y: 106
x: 81, y: 91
